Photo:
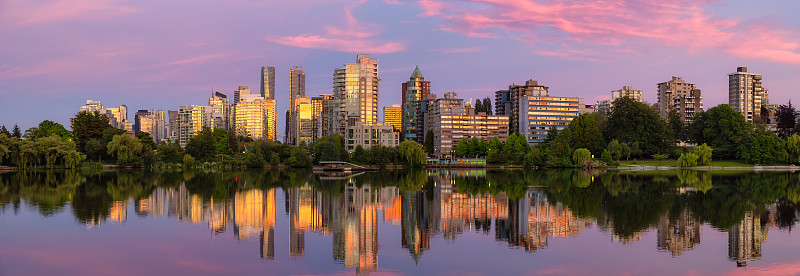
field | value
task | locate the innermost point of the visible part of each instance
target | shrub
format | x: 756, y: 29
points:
x: 688, y: 160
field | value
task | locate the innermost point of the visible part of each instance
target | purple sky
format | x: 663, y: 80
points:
x: 162, y: 54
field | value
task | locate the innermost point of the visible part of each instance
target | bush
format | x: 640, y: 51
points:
x: 496, y: 156
x: 188, y: 160
x: 687, y: 160
x: 533, y: 158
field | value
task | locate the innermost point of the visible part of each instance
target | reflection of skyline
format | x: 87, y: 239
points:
x: 351, y: 215
x: 678, y: 234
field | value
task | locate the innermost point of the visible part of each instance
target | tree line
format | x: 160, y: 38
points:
x: 634, y: 130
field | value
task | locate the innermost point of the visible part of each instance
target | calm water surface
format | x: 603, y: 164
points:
x: 440, y: 222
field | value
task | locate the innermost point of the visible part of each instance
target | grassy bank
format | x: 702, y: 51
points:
x: 674, y: 163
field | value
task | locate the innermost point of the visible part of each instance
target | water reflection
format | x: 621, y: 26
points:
x: 523, y: 209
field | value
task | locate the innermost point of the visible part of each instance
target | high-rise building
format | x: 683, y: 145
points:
x: 414, y: 90
x: 355, y: 89
x: 221, y: 107
x: 452, y: 119
x: 267, y: 82
x: 173, y: 126
x: 541, y: 112
x: 745, y: 94
x: 393, y: 115
x: 507, y: 101
x: 358, y: 134
x: 143, y: 122
x: 92, y: 106
x: 242, y: 90
x: 679, y: 95
x: 326, y: 116
x: 626, y: 91
x: 297, y: 89
x: 117, y: 116
x: 191, y: 119
x: 255, y: 117
x: 303, y: 126
x: 159, y: 133
x: 318, y: 115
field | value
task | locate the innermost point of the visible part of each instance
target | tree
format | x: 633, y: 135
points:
x: 687, y: 160
x: 763, y: 148
x: 478, y: 106
x: 660, y: 157
x: 16, y: 132
x: 202, y: 146
x: 793, y: 148
x: 411, y: 154
x: 169, y: 152
x: 676, y: 124
x: 188, y: 160
x: 462, y: 148
x: 359, y: 155
x: 534, y: 158
x: 516, y: 147
x: 330, y: 148
x: 631, y: 121
x: 428, y: 146
x: 48, y: 128
x: 222, y: 141
x: 124, y: 148
x: 4, y: 130
x: 703, y: 153
x: 146, y: 140
x: 721, y: 128
x: 88, y: 125
x: 6, y: 144
x: 48, y: 148
x: 787, y: 119
x: 585, y: 133
x: 487, y: 106
x: 606, y: 157
x: 582, y: 157
x: 615, y: 149
x: 496, y: 156
x: 299, y: 158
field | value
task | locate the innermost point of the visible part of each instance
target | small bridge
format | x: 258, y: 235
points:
x: 337, y: 166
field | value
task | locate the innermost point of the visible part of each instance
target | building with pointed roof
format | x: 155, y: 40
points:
x: 414, y: 90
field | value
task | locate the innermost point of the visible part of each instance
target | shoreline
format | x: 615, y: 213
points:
x: 707, y: 168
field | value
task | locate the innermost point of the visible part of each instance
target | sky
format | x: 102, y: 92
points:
x: 148, y: 54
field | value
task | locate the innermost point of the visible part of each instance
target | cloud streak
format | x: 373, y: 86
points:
x: 354, y: 37
x: 565, y: 27
x: 18, y: 13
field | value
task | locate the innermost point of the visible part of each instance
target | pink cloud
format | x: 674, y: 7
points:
x: 198, y: 59
x: 562, y: 27
x: 355, y: 36
x: 26, y: 12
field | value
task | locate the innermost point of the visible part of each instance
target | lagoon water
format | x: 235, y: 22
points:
x: 434, y: 222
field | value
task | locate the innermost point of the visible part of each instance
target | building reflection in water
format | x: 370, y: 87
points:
x: 351, y: 219
x: 678, y: 234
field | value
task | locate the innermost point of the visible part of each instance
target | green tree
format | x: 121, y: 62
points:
x: 429, y: 142
x: 534, y: 158
x: 607, y: 158
x: 169, y: 152
x: 634, y: 122
x: 793, y: 148
x: 124, y: 148
x: 411, y: 154
x: 222, y: 141
x: 330, y: 148
x: 359, y: 155
x: 582, y: 157
x: 16, y: 132
x: 763, y: 148
x: 87, y: 126
x: 496, y: 156
x: 615, y: 149
x: 462, y: 148
x: 585, y: 133
x: 49, y: 128
x: 202, y: 146
x: 721, y: 128
x: 676, y: 124
x: 786, y: 120
x: 687, y: 160
x: 487, y: 106
x: 146, y: 140
x: 703, y: 153
x: 47, y: 147
x: 4, y: 130
x: 660, y: 157
x: 188, y: 160
x: 299, y: 158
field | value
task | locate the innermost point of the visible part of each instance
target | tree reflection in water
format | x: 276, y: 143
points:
x: 524, y: 209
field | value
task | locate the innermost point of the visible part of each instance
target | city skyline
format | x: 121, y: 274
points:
x: 126, y: 65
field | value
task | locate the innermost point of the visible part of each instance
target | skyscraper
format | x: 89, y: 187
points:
x: 318, y: 114
x: 414, y: 90
x: 507, y: 101
x: 255, y: 117
x: 303, y: 126
x: 745, y: 94
x: 242, y: 90
x: 220, y: 105
x: 268, y: 82
x: 297, y: 89
x: 679, y: 95
x: 393, y: 115
x: 355, y: 89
